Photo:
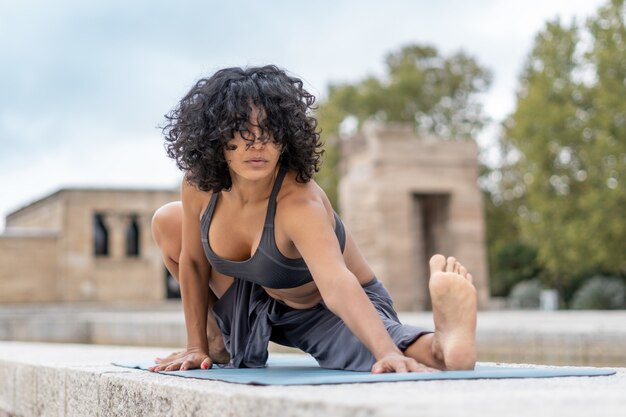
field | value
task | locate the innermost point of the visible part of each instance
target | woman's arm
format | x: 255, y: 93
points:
x: 308, y: 225
x: 194, y: 273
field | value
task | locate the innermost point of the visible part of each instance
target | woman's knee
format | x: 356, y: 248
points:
x: 167, y: 223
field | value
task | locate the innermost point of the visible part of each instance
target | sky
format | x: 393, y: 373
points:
x: 84, y: 85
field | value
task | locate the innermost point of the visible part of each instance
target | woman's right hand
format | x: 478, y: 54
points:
x: 192, y: 358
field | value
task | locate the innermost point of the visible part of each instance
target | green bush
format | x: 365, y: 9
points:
x: 514, y: 263
x: 600, y: 293
x: 526, y: 295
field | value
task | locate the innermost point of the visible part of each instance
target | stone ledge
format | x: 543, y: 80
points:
x: 557, y: 338
x: 77, y: 380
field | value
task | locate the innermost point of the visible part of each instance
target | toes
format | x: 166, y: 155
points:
x: 450, y: 264
x: 463, y: 271
x: 457, y: 267
x: 437, y: 263
x: 469, y: 278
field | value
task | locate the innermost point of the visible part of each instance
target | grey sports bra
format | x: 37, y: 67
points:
x: 267, y: 267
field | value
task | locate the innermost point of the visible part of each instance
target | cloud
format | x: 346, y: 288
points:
x: 84, y: 84
x: 129, y: 162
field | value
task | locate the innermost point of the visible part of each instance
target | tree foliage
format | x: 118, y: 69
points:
x: 420, y: 86
x: 513, y: 263
x: 565, y: 147
x: 436, y: 93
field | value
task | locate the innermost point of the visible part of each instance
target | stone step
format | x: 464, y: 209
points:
x: 70, y: 380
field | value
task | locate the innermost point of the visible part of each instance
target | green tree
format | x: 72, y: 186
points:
x: 420, y: 86
x: 565, y: 147
x: 606, y: 137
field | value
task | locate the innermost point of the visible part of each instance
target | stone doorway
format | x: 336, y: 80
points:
x: 430, y: 234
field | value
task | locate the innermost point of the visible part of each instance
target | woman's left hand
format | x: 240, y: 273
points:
x: 399, y: 363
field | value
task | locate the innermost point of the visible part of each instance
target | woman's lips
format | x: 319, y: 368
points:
x: 256, y: 162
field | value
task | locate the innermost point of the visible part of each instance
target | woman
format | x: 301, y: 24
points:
x: 261, y: 255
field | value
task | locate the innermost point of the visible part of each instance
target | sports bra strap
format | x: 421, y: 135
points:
x: 271, y: 204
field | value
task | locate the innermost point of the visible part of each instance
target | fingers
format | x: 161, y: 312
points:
x: 183, y: 363
x: 206, y: 363
x: 169, y: 358
x: 175, y: 366
x: 401, y: 368
x: 414, y: 366
x: 378, y: 368
x: 157, y: 368
x: 401, y: 365
x: 166, y: 367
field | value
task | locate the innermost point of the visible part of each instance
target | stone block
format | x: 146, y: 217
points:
x: 51, y: 392
x: 81, y: 386
x: 7, y: 386
x: 25, y: 398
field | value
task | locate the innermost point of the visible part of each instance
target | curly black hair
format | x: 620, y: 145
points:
x: 198, y: 128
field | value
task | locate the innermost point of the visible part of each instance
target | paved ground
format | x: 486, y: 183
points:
x: 77, y: 380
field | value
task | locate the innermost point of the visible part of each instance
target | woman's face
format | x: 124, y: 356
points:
x: 255, y: 156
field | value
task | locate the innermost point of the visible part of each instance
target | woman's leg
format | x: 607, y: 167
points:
x: 167, y: 233
x: 453, y: 296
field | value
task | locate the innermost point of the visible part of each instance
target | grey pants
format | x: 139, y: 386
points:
x: 249, y: 318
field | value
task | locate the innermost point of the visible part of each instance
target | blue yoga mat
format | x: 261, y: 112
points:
x: 303, y: 370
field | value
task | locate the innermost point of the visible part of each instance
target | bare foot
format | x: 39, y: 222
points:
x: 454, y: 311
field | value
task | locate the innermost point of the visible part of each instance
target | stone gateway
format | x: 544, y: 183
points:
x: 405, y: 198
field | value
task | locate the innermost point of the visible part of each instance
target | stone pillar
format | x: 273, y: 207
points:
x: 147, y: 248
x: 116, y: 224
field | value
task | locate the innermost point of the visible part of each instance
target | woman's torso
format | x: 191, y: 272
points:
x: 234, y: 234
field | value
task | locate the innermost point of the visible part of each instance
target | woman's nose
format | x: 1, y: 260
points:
x: 257, y: 143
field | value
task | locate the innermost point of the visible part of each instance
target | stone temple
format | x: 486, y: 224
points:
x: 84, y: 245
x: 405, y: 198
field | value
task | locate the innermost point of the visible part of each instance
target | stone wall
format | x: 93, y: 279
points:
x: 117, y: 276
x: 405, y: 198
x: 29, y: 268
x: 46, y: 214
x: 60, y: 227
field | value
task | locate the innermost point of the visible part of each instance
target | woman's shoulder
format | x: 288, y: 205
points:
x: 194, y: 197
x: 295, y: 193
